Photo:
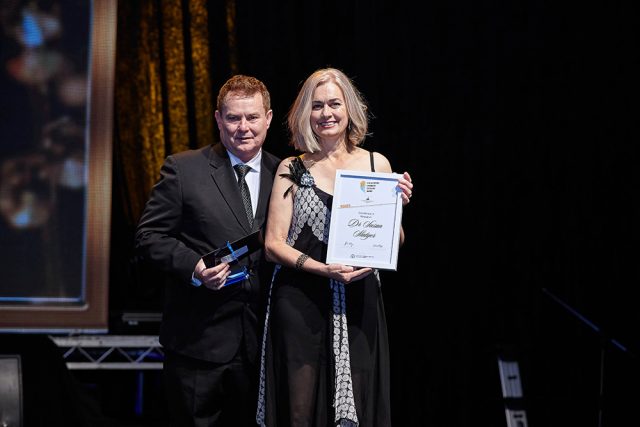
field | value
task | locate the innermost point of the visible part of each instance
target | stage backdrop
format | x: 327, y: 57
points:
x: 517, y: 123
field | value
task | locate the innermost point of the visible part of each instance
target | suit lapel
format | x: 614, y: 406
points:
x: 225, y: 178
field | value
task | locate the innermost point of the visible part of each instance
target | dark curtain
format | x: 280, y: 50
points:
x: 517, y: 121
x: 163, y: 89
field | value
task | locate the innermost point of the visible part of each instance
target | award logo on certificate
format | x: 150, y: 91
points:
x: 366, y: 216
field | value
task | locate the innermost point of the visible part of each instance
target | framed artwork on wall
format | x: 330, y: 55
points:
x: 57, y: 60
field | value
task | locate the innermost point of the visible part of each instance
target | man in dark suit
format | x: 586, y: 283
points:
x: 211, y: 320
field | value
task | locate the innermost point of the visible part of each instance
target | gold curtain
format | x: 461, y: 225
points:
x: 163, y: 95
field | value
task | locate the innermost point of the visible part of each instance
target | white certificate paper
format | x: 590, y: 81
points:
x: 366, y: 216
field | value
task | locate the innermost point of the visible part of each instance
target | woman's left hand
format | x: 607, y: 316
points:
x: 406, y: 186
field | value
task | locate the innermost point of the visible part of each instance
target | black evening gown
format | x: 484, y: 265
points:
x: 300, y: 382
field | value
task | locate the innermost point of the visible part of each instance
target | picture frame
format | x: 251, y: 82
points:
x: 71, y: 307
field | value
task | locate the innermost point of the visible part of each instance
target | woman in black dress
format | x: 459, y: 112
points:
x: 325, y: 359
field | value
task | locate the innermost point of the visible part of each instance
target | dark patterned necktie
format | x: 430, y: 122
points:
x: 242, y: 171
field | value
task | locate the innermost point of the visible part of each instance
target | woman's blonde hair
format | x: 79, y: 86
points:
x: 302, y: 136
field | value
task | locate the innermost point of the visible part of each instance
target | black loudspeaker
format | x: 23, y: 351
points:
x: 51, y: 395
x: 10, y: 390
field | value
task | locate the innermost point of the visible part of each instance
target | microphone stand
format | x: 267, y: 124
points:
x: 604, y: 340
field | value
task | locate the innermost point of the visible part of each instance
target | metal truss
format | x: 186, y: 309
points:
x: 139, y: 352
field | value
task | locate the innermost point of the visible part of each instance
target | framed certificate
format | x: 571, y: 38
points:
x: 365, y: 220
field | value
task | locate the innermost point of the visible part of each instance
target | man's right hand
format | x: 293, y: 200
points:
x: 213, y: 278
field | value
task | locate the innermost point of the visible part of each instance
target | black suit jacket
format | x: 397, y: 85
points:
x: 194, y: 208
